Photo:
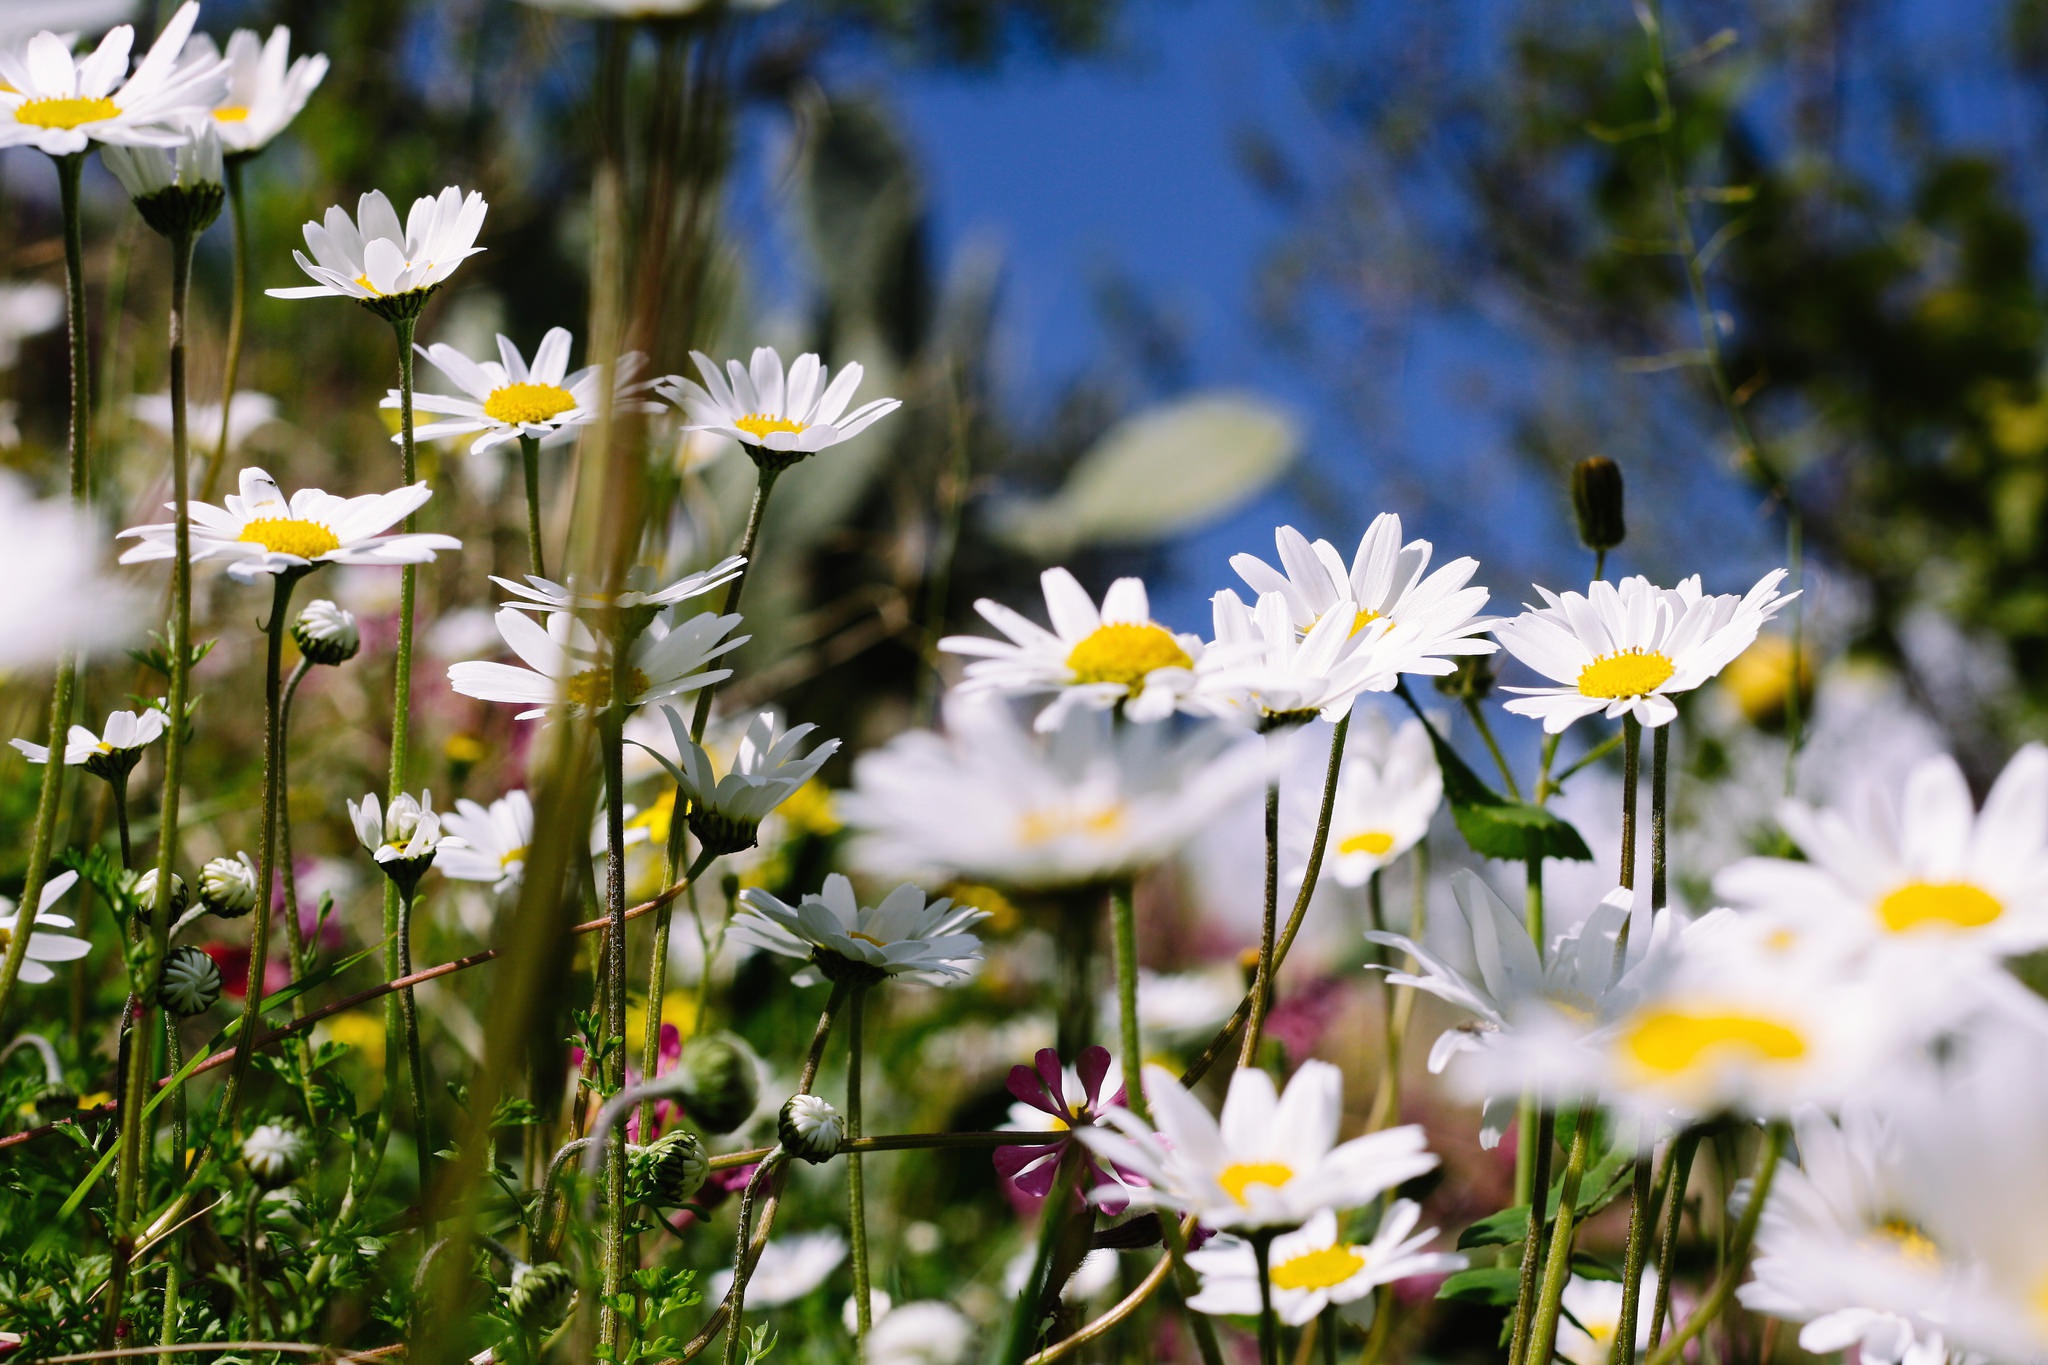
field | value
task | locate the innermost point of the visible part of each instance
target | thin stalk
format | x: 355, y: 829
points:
x: 1327, y: 1333
x: 1660, y: 755
x: 118, y: 788
x: 1532, y: 1243
x: 612, y: 1323
x: 408, y: 1008
x: 1599, y: 564
x: 1262, y: 983
x: 1642, y: 1211
x: 736, y: 1298
x: 856, y: 1195
x: 1682, y: 1149
x: 238, y: 290
x: 1074, y: 947
x: 1631, y: 771
x: 657, y: 982
x: 1557, y: 1269
x: 1131, y: 1037
x: 764, y: 486
x: 1269, y: 1325
x: 1723, y: 1291
x: 1023, y: 1322
x: 529, y: 459
x: 1386, y: 1100
x: 288, y: 881
x: 1479, y: 723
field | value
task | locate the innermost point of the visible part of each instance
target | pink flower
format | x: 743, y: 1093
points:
x: 1052, y: 1098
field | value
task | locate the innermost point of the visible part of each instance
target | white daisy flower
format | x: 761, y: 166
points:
x: 26, y: 310
x: 1388, y: 790
x: 1117, y: 656
x: 1312, y: 1267
x: 1626, y: 650
x: 372, y: 258
x: 1431, y: 615
x: 1586, y: 1337
x: 1921, y: 873
x: 790, y: 1268
x: 642, y: 9
x: 266, y: 88
x: 262, y: 533
x: 926, y: 1332
x: 779, y: 419
x: 545, y: 595
x: 568, y: 667
x: 1274, y: 1160
x: 52, y: 542
x: 112, y: 752
x: 24, y: 19
x: 193, y: 164
x: 726, y: 812
x: 903, y: 936
x: 60, y: 104
x: 407, y: 834
x: 42, y: 947
x: 497, y: 839
x: 505, y: 399
x: 990, y: 800
x: 1276, y: 676
x: 249, y: 411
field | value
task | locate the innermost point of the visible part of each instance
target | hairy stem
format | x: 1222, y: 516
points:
x: 1557, y: 1270
x: 856, y: 1196
x: 1723, y: 1291
x: 529, y: 459
x: 1262, y: 982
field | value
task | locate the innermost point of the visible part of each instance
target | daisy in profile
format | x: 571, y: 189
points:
x: 505, y: 399
x: 545, y: 595
x: 43, y: 948
x: 780, y: 419
x: 790, y: 1268
x: 266, y: 87
x: 1626, y: 650
x: 1273, y: 1160
x: 1918, y: 871
x: 841, y: 939
x: 389, y: 267
x: 1312, y: 1268
x: 567, y: 668
x: 114, y: 751
x: 61, y: 104
x: 1113, y: 657
x: 1278, y: 677
x: 249, y: 411
x: 404, y: 839
x: 259, y: 532
x: 726, y: 811
x: 1432, y: 617
x: 1388, y: 790
x: 491, y: 843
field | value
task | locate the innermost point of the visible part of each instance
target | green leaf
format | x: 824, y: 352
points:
x: 1494, y: 826
x: 1505, y: 1228
x: 1490, y: 1284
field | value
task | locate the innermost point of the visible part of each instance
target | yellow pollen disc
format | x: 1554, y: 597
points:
x: 1781, y: 940
x: 1374, y: 841
x: 1938, y: 905
x: 103, y: 747
x: 65, y: 111
x: 1044, y: 826
x: 866, y: 938
x: 363, y: 282
x: 1323, y: 1268
x: 759, y: 425
x: 1602, y: 1332
x: 593, y: 686
x: 1363, y: 619
x: 1631, y: 673
x: 1672, y: 1042
x: 232, y: 113
x: 1905, y: 1237
x: 513, y: 855
x: 1123, y: 652
x: 516, y: 403
x: 1240, y: 1176
x: 291, y: 536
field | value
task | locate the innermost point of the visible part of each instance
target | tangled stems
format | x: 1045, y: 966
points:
x: 856, y: 1198
x: 529, y: 459
x: 1682, y: 1149
x: 1557, y: 1270
x: 1738, y: 1249
x: 1532, y: 1241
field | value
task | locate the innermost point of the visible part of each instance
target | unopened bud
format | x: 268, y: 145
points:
x: 275, y: 1155
x: 145, y: 893
x: 1596, y: 498
x: 326, y: 633
x: 539, y: 1295
x: 669, y: 1172
x: 810, y: 1128
x: 191, y: 982
x: 720, y: 1081
x: 227, y: 885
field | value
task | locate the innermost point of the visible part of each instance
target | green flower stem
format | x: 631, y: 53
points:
x: 1269, y: 1324
x: 1557, y: 1269
x: 1660, y: 755
x: 1262, y: 983
x: 1646, y: 1197
x: 1631, y: 773
x: 174, y: 1059
x: 294, y: 934
x: 1326, y: 1333
x: 1022, y: 1328
x: 612, y: 1078
x: 657, y: 978
x: 238, y: 292
x: 1682, y: 1149
x: 1723, y: 1291
x: 423, y: 1143
x: 1075, y: 924
x: 856, y: 1194
x: 118, y: 788
x: 764, y: 486
x: 1538, y: 1149
x: 1479, y: 723
x: 1123, y: 910
x: 1386, y: 1099
x: 529, y: 459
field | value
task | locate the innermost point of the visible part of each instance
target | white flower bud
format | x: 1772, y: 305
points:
x: 227, y: 885
x: 191, y: 982
x: 326, y: 633
x: 810, y: 1128
x: 275, y: 1155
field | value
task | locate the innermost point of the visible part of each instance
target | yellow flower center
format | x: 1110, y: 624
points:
x: 291, y: 536
x: 1906, y: 1238
x: 1630, y: 673
x: 103, y: 747
x: 232, y: 113
x: 513, y: 855
x: 1364, y: 618
x: 866, y: 938
x: 517, y: 403
x: 1323, y: 1268
x: 1671, y: 1042
x: 1044, y: 826
x: 1377, y: 842
x: 6, y: 936
x: 1941, y: 905
x: 759, y: 424
x: 1602, y: 1330
x: 363, y: 282
x: 593, y: 687
x: 65, y: 111
x: 1124, y: 652
x: 1240, y: 1176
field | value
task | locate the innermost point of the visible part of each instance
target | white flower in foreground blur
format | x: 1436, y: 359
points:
x: 726, y: 812
x: 1388, y: 790
x: 642, y: 9
x: 497, y: 839
x: 1115, y: 657
x: 1919, y: 874
x: 249, y: 411
x: 1625, y: 650
x: 567, y: 667
x: 61, y: 104
x: 926, y: 1332
x: 546, y: 595
x: 23, y: 19
x: 373, y: 259
x: 1586, y: 1337
x: 42, y: 947
x: 262, y: 533
x: 505, y: 399
x: 990, y: 800
x: 1274, y: 1160
x: 1431, y: 616
x: 112, y: 752
x: 1312, y: 1267
x: 779, y: 419
x: 266, y: 88
x: 193, y: 164
x: 26, y: 310
x: 790, y: 1268
x: 1277, y: 677
x: 74, y: 605
x: 903, y: 936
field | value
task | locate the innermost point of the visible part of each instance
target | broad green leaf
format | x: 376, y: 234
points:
x: 1492, y: 1284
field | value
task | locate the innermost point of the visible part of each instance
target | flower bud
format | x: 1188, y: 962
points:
x: 539, y: 1295
x: 1596, y: 498
x: 810, y: 1128
x: 721, y: 834
x: 191, y: 982
x: 668, y: 1172
x: 275, y: 1155
x: 720, y: 1081
x: 227, y: 885
x: 145, y: 893
x: 326, y: 634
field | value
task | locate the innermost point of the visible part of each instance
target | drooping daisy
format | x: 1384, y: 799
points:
x: 726, y: 812
x: 64, y: 547
x: 1055, y: 1098
x: 1387, y: 791
x: 1312, y: 1267
x: 1920, y: 872
x: 1625, y: 650
x: 989, y: 800
x: 567, y: 666
x: 249, y: 411
x: 373, y: 259
x: 545, y: 595
x: 261, y: 533
x: 60, y: 104
x: 903, y: 936
x: 190, y: 167
x: 1586, y: 1337
x: 779, y: 419
x: 790, y: 1268
x: 1278, y: 676
x: 266, y: 87
x: 1273, y: 1161
x: 42, y: 947
x: 1117, y: 656
x: 1434, y: 616
x: 114, y: 751
x: 505, y: 399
